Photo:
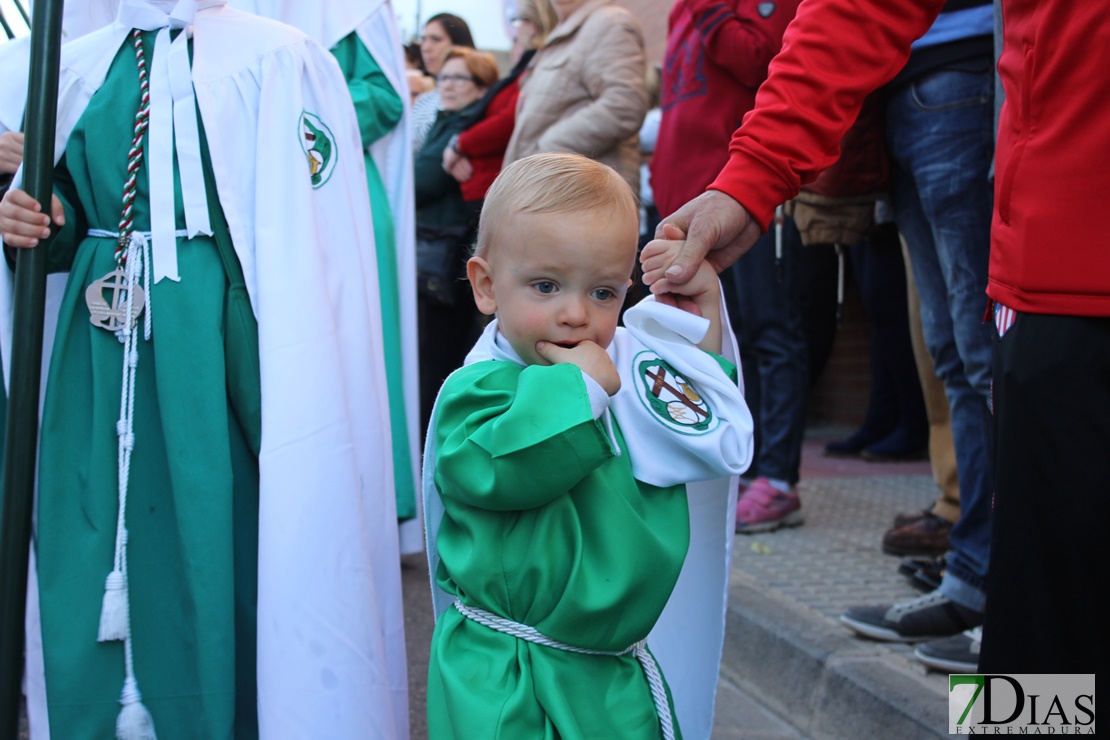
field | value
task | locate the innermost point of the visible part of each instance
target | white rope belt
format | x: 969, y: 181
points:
x: 115, y: 616
x: 531, y: 634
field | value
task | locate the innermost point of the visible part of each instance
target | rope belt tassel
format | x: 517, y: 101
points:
x: 132, y: 264
x: 638, y: 651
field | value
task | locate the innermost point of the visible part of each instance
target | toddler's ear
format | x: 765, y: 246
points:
x: 481, y: 282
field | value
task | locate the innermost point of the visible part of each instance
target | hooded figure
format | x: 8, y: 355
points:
x: 216, y: 541
x: 364, y: 39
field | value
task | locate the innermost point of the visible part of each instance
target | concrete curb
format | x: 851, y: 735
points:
x: 812, y: 673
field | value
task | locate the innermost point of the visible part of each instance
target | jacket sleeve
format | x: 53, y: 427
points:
x: 511, y: 438
x: 490, y: 136
x: 738, y: 39
x: 613, y: 69
x: 814, y: 91
x: 377, y: 104
x: 691, y: 421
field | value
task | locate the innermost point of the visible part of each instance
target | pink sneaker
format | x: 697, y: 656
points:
x: 763, y: 508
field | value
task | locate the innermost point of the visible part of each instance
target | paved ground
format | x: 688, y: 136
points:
x: 785, y: 649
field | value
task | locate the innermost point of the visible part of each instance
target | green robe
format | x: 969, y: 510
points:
x: 544, y: 525
x: 193, y: 495
x: 379, y: 109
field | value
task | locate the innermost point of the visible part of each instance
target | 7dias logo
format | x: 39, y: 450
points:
x: 1021, y: 704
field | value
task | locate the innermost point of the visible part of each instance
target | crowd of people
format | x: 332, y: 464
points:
x: 398, y: 286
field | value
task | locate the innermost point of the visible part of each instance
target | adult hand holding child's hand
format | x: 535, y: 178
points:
x: 657, y: 256
x: 590, y: 359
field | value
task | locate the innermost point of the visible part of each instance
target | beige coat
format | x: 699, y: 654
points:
x: 585, y: 91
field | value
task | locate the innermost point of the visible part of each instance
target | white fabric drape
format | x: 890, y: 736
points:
x: 331, y: 659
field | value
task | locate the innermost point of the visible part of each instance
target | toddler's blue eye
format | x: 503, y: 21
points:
x: 604, y: 294
x: 545, y: 287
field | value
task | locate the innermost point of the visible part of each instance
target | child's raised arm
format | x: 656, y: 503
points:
x: 701, y: 295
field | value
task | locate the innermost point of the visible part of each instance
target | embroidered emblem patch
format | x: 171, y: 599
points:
x: 765, y: 9
x: 318, y: 144
x: 671, y: 397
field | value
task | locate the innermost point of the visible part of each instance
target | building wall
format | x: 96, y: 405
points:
x: 652, y: 15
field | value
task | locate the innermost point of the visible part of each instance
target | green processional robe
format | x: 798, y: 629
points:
x: 379, y: 109
x: 193, y: 488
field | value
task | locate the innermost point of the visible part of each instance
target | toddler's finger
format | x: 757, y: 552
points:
x: 551, y: 352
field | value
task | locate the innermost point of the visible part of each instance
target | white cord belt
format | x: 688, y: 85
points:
x: 531, y: 634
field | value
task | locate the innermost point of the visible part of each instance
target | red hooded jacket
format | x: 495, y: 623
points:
x: 716, y: 58
x: 1050, y: 250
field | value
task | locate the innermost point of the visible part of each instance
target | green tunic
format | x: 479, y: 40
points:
x: 544, y: 525
x: 193, y: 494
x: 379, y: 108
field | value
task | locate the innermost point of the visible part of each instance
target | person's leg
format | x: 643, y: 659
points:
x: 769, y: 324
x: 940, y: 134
x: 1052, y: 429
x: 446, y: 334
x: 817, y: 284
x: 766, y: 317
x: 881, y: 417
x: 884, y: 281
x: 926, y: 532
x: 942, y: 450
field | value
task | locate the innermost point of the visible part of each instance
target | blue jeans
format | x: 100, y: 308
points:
x: 939, y: 130
x: 766, y: 315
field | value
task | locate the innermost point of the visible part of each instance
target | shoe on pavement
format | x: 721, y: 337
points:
x: 926, y: 536
x: 900, y: 445
x: 929, y: 617
x: 763, y: 508
x: 852, y: 446
x: 958, y: 654
x: 904, y: 518
x: 924, y: 573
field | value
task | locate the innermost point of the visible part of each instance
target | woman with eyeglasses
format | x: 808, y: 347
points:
x: 442, y: 32
x: 447, y: 318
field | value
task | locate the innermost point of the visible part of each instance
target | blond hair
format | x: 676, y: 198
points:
x: 552, y: 183
x: 481, y: 64
x: 541, y: 14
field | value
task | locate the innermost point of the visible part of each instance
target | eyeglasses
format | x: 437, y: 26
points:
x: 444, y: 79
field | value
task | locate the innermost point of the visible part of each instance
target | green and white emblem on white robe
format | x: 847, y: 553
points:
x: 319, y: 146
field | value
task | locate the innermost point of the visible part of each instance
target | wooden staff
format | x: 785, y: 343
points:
x: 22, y: 431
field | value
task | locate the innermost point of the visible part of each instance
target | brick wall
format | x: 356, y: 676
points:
x: 839, y: 397
x: 652, y: 15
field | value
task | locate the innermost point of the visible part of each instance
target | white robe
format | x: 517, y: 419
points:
x: 331, y: 661
x: 688, y: 638
x: 374, y: 23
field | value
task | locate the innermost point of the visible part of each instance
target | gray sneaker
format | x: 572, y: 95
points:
x: 959, y: 654
x: 927, y: 617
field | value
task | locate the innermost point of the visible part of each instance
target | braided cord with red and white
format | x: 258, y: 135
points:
x: 135, y: 154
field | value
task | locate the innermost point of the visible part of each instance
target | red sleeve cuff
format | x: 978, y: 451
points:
x: 755, y: 185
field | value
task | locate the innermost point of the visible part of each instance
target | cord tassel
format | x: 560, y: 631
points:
x: 113, y: 611
x: 134, y: 721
